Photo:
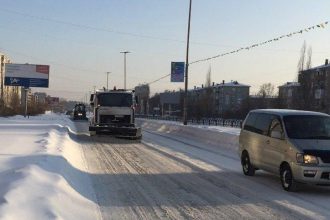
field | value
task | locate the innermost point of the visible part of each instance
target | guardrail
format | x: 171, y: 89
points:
x: 205, y: 121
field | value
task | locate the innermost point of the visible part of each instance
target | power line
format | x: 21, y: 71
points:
x: 322, y: 25
x: 307, y: 29
x: 109, y: 30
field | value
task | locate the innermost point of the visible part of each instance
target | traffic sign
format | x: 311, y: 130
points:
x: 177, y: 71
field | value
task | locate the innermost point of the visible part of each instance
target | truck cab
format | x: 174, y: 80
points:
x: 114, y: 113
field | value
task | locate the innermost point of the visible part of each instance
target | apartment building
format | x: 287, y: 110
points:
x: 315, y: 88
x: 10, y: 96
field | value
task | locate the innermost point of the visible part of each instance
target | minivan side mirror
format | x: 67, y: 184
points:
x: 276, y: 134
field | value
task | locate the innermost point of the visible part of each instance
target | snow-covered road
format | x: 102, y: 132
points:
x: 50, y: 168
x: 174, y: 174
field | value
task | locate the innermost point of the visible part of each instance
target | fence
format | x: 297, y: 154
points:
x: 204, y: 121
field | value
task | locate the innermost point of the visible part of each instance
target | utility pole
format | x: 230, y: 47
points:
x: 108, y: 80
x: 26, y: 89
x: 2, y: 62
x: 125, y: 52
x: 186, y: 72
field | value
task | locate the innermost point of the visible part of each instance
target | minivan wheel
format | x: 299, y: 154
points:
x: 287, y: 180
x: 248, y: 168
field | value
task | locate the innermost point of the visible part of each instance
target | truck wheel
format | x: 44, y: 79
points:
x: 248, y: 168
x: 287, y: 180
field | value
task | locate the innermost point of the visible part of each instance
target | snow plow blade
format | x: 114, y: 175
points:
x: 122, y: 132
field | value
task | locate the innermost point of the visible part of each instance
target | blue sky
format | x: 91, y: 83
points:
x: 155, y: 32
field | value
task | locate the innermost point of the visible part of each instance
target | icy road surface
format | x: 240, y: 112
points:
x: 189, y: 173
x: 50, y: 168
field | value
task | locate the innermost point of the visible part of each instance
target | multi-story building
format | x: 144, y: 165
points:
x: 26, y: 93
x: 170, y: 103
x: 230, y: 96
x: 10, y: 96
x: 40, y: 97
x: 142, y: 92
x: 289, y: 95
x: 315, y: 86
x: 219, y: 99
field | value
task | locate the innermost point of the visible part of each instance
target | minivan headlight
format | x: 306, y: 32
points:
x: 307, y: 159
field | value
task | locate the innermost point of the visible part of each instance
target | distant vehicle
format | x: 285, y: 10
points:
x: 293, y: 144
x: 79, y: 112
x: 69, y: 112
x: 114, y: 113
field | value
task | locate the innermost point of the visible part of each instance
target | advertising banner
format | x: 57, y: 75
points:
x: 177, y: 71
x: 26, y: 75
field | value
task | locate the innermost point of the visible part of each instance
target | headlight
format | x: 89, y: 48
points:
x: 306, y: 159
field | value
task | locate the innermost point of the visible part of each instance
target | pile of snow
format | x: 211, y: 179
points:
x: 227, y: 137
x: 228, y: 130
x: 43, y: 174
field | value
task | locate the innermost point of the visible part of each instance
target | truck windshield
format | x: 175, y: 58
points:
x: 307, y: 126
x: 115, y: 99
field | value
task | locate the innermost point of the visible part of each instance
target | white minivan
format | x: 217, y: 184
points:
x: 294, y: 144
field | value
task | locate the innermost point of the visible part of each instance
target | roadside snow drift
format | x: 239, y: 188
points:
x: 42, y: 170
x: 226, y: 137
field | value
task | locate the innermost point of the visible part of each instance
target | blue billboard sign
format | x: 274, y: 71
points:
x: 177, y: 71
x: 27, y: 75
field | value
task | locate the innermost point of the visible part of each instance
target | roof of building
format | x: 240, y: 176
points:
x: 283, y: 112
x: 318, y: 67
x: 228, y: 84
x: 289, y: 84
x: 231, y: 84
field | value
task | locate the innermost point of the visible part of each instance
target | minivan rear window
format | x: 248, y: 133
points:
x: 307, y: 126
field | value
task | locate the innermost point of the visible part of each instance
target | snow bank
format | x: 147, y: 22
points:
x: 227, y: 137
x: 43, y: 174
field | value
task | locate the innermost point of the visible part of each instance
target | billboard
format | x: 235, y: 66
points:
x: 177, y: 72
x: 53, y: 100
x: 170, y: 98
x: 26, y: 75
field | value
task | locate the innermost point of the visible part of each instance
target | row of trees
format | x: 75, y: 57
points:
x: 13, y: 106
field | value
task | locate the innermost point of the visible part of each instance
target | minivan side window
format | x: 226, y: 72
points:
x: 276, y: 126
x: 263, y: 123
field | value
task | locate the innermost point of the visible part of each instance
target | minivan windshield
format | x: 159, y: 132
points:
x: 115, y: 99
x: 307, y: 126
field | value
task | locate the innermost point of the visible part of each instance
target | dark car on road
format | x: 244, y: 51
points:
x: 79, y: 112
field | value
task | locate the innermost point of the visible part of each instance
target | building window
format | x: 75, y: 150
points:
x: 227, y: 100
x: 318, y: 93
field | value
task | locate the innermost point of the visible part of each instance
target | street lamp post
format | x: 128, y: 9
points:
x: 125, y: 52
x: 186, y: 71
x: 108, y: 80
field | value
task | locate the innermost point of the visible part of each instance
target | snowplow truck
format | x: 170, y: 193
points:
x: 114, y: 113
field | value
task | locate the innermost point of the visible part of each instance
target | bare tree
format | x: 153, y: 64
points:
x: 309, y: 58
x: 301, y: 62
x: 266, y: 90
x: 204, y: 103
x: 208, y: 78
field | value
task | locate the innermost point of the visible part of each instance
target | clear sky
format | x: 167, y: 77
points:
x: 81, y: 40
